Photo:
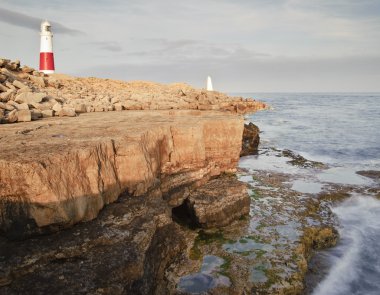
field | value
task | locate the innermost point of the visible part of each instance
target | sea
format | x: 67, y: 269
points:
x: 343, y: 131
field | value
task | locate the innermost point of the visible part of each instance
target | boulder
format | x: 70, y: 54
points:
x: 218, y: 203
x: 30, y: 97
x: 80, y: 108
x: 21, y: 106
x: 36, y: 114
x: 24, y: 116
x: 10, y: 85
x: 47, y: 113
x: 12, y: 116
x: 251, y: 140
x: 42, y: 106
x: 118, y: 106
x: 57, y: 107
x: 18, y: 84
x: 3, y: 88
x: 26, y: 69
x: 3, y: 78
x: 38, y: 80
x: 5, y: 96
x: 6, y: 106
x: 24, y: 89
x: 67, y: 112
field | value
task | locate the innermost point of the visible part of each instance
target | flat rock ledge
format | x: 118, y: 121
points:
x: 64, y: 171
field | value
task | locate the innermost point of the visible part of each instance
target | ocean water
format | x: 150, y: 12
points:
x: 342, y: 130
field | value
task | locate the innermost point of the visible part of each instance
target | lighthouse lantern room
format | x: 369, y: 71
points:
x: 46, y: 49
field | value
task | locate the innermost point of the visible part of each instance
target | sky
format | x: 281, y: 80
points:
x: 244, y: 45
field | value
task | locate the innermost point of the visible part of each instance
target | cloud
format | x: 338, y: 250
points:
x: 188, y: 50
x: 32, y: 23
x: 108, y: 46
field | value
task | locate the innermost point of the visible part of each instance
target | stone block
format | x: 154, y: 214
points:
x: 18, y: 84
x: 57, y: 107
x: 21, y: 106
x: 36, y: 114
x: 30, y: 97
x: 47, y: 113
x: 80, y: 108
x: 12, y: 116
x: 67, y: 112
x: 6, y: 106
x: 24, y: 116
x: 38, y: 80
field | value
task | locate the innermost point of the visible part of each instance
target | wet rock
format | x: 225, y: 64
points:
x: 251, y: 140
x: 124, y: 251
x: 317, y: 238
x: 219, y: 202
x: 370, y: 174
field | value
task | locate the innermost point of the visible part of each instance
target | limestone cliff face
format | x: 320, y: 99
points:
x: 61, y: 172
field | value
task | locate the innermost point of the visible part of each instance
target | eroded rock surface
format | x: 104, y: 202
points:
x: 219, y: 202
x: 124, y: 251
x: 56, y: 174
x: 251, y: 140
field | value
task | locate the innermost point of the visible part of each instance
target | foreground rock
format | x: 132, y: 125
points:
x: 56, y: 174
x: 63, y: 95
x: 219, y: 202
x: 124, y: 251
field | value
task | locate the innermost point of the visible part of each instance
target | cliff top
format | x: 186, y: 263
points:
x: 26, y: 94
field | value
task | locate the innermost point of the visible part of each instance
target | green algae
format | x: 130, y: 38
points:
x: 205, y: 238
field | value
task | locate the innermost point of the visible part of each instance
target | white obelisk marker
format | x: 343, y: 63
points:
x: 46, y: 49
x: 209, y: 84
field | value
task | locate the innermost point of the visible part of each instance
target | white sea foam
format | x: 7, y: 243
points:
x: 356, y: 259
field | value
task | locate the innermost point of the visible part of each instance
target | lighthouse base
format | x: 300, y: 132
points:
x: 47, y: 71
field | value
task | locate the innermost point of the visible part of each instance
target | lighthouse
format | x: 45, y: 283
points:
x: 209, y: 84
x: 46, y: 49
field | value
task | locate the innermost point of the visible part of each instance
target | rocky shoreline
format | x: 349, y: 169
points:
x: 148, y: 199
x: 99, y: 204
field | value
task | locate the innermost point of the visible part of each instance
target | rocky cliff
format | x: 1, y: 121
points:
x: 162, y: 163
x: 61, y: 172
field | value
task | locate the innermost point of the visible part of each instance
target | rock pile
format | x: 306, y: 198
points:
x: 26, y: 94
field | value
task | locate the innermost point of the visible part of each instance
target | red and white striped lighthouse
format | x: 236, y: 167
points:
x: 46, y: 49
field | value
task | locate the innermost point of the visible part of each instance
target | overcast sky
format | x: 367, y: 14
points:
x: 244, y: 45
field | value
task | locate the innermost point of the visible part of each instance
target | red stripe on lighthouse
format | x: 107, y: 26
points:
x: 46, y: 61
